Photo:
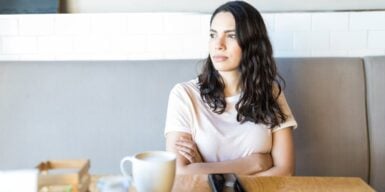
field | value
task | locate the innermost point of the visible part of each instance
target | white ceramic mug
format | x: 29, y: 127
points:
x: 152, y: 171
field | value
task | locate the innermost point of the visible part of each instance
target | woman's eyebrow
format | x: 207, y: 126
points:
x: 226, y: 31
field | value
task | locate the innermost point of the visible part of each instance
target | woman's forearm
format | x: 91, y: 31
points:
x: 248, y: 165
x: 276, y: 171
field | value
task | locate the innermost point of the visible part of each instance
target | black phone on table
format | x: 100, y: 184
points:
x: 224, y: 182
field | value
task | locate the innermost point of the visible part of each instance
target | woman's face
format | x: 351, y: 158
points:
x: 225, y: 52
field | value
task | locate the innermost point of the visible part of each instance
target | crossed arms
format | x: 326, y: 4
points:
x: 280, y: 162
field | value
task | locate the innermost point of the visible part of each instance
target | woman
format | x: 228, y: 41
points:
x: 233, y: 117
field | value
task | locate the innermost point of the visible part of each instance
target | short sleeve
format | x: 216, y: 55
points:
x: 290, y: 121
x: 179, y: 115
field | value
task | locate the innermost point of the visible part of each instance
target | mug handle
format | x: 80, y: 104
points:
x: 122, y: 170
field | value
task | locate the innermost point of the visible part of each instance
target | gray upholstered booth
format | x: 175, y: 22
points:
x: 104, y: 110
x: 375, y: 85
x: 327, y: 97
x: 100, y: 110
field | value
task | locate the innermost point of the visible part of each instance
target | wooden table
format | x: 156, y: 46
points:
x: 295, y: 184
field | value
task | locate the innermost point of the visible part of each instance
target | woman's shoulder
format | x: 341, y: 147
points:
x: 190, y: 86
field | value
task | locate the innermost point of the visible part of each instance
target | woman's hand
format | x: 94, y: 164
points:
x: 188, y: 148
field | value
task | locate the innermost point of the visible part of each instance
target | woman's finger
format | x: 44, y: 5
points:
x: 186, y: 143
x: 186, y: 155
x: 188, y: 150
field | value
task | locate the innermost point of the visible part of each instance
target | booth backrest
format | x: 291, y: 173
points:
x: 327, y: 96
x: 375, y: 85
x: 102, y: 110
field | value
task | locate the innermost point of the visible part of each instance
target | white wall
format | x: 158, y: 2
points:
x: 204, y: 6
x: 121, y: 36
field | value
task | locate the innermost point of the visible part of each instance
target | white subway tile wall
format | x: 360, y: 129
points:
x: 19, y: 45
x: 376, y: 39
x: 347, y: 40
x: 312, y: 40
x: 35, y: 25
x: 282, y: 40
x: 8, y: 25
x: 292, y: 22
x: 142, y: 36
x: 330, y: 22
x: 71, y: 24
x: 367, y: 20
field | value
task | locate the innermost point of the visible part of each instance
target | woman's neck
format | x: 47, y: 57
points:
x: 232, y: 83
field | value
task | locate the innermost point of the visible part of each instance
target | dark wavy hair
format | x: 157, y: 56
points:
x: 260, y: 81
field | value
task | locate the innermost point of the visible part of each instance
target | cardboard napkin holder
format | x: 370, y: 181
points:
x: 64, y: 175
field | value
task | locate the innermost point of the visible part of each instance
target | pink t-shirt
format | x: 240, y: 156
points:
x: 219, y: 137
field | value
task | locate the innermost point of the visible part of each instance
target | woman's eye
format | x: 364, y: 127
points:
x: 212, y: 35
x: 232, y: 36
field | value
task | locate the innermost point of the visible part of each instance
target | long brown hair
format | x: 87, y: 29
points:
x: 259, y: 76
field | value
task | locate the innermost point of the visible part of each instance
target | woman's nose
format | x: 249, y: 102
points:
x: 220, y: 43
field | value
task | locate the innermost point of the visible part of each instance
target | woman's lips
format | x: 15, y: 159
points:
x: 220, y: 58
